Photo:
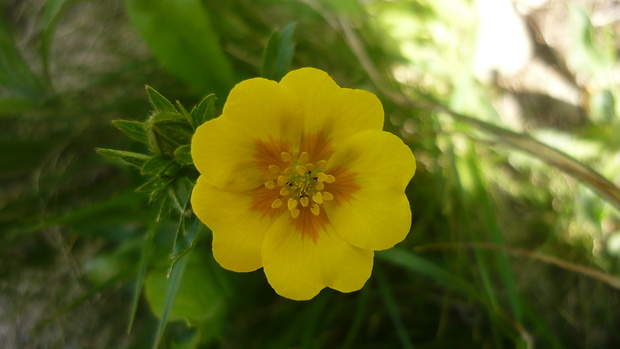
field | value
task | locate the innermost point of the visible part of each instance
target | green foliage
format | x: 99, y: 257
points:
x: 514, y: 238
x: 279, y: 53
x: 182, y: 38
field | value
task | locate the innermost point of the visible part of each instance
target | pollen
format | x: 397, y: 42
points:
x: 286, y: 157
x: 276, y: 203
x: 301, y: 184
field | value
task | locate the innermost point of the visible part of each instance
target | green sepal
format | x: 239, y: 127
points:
x: 183, y: 155
x: 156, y: 165
x: 134, y: 129
x: 134, y: 159
x: 160, y: 103
x: 204, y: 111
x: 156, y: 186
x: 167, y: 131
x: 279, y: 53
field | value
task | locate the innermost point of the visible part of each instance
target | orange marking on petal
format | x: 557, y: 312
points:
x: 262, y: 200
x: 317, y: 146
x: 310, y: 225
x: 344, y: 187
x: 268, y: 154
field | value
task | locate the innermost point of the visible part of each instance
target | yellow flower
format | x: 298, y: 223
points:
x: 298, y: 178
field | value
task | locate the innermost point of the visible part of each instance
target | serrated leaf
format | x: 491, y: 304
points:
x: 134, y: 129
x: 160, y: 103
x: 204, y: 111
x: 168, y: 117
x: 156, y: 165
x: 183, y: 155
x: 279, y: 53
x: 128, y: 157
x: 155, y: 186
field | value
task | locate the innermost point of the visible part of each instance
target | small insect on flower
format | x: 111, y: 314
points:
x: 299, y: 178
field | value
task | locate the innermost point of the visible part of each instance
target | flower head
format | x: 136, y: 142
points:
x: 298, y: 178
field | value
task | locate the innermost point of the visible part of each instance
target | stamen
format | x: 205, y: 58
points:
x: 295, y: 213
x: 270, y: 185
x: 304, y: 201
x: 304, y: 157
x: 318, y: 198
x: 301, y: 170
x: 292, y: 204
x: 319, y: 186
x: 276, y: 203
x: 321, y: 164
x: 274, y: 169
x: 288, y: 171
x: 310, y: 167
x: 327, y: 196
x: 282, y: 180
x: 330, y: 179
x: 321, y: 177
x: 316, y: 210
x: 286, y: 157
x: 284, y: 191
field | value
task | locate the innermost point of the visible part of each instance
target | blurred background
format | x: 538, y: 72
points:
x: 509, y: 106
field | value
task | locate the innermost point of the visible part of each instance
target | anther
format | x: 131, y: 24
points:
x: 318, y: 198
x: 316, y: 210
x: 288, y: 171
x: 286, y: 157
x: 301, y: 170
x: 321, y: 177
x: 274, y: 169
x: 295, y: 213
x: 319, y: 186
x: 284, y: 191
x: 321, y: 164
x: 270, y: 185
x: 330, y: 179
x: 276, y: 203
x: 292, y: 204
x: 310, y: 167
x: 327, y: 196
x: 304, y: 157
x: 304, y: 201
x: 282, y: 180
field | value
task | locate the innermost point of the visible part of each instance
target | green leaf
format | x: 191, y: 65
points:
x: 180, y: 35
x: 183, y: 155
x: 14, y: 105
x: 15, y: 74
x: 279, y: 53
x: 160, y: 103
x: 134, y: 129
x: 51, y: 14
x: 156, y: 165
x: 147, y: 250
x: 196, y: 297
x: 128, y: 157
x: 204, y: 111
x: 155, y: 186
x: 412, y: 262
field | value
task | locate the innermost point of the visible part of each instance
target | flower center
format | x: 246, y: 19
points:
x: 301, y: 184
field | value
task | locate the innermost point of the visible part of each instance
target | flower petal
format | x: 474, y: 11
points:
x: 329, y: 109
x: 228, y: 149
x: 238, y: 232
x: 298, y: 268
x: 375, y: 214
